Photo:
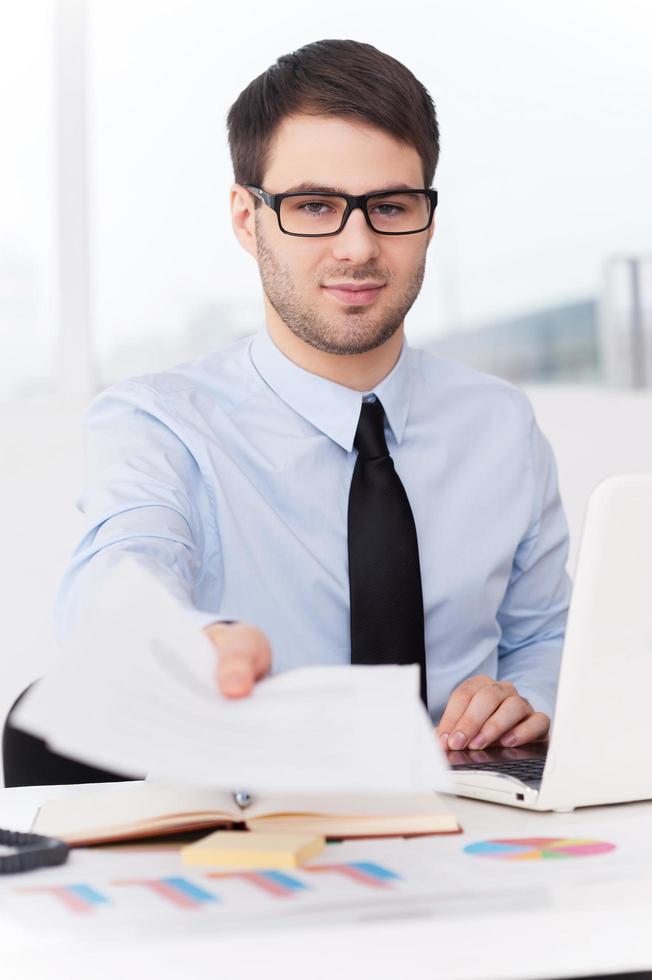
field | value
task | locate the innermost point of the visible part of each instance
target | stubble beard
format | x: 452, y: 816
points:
x: 352, y: 330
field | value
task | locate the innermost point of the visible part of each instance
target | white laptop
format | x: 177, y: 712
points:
x: 600, y: 744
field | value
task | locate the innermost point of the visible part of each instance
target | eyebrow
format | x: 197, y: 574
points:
x: 314, y: 188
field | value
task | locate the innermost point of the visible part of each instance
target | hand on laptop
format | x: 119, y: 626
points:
x: 245, y: 656
x: 483, y: 710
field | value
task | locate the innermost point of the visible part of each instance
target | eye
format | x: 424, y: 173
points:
x: 310, y: 207
x: 393, y: 208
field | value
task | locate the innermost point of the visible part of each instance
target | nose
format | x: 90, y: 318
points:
x: 356, y: 241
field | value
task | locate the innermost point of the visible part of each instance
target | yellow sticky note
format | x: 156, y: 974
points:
x: 251, y: 849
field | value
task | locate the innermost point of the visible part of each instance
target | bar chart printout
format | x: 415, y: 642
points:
x: 235, y: 891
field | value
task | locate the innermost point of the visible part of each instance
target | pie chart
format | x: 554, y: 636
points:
x: 538, y: 848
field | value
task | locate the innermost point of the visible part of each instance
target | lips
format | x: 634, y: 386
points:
x: 354, y: 297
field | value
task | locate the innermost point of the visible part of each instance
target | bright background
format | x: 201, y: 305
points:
x: 544, y: 175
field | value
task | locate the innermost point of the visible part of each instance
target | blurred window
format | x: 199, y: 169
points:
x: 27, y: 198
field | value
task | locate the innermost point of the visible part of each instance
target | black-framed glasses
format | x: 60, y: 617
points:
x: 316, y: 214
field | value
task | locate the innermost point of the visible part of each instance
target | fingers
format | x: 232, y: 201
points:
x: 480, y: 711
x: 244, y: 657
x: 486, y: 702
x: 236, y: 673
x: 511, y: 711
x: 457, y: 705
x: 534, y: 727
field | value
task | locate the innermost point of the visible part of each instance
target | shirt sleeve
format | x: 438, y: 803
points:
x: 534, y: 610
x: 139, y: 500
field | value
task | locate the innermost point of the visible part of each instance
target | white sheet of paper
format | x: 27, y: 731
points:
x: 119, y: 888
x: 135, y: 692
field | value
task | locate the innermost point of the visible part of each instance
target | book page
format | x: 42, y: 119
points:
x: 347, y: 805
x: 332, y: 826
x: 340, y: 815
x: 132, y: 807
x: 134, y: 691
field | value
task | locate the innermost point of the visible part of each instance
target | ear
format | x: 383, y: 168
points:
x: 242, y: 218
x: 431, y: 232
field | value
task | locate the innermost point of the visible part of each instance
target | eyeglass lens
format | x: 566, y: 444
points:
x: 316, y: 215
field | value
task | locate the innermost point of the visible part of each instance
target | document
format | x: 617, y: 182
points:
x: 136, y: 885
x: 135, y: 691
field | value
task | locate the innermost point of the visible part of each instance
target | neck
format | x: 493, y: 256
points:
x: 358, y: 371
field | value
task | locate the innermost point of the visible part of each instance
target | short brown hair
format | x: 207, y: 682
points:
x: 338, y: 78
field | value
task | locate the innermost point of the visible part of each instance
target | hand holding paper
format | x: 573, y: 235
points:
x: 245, y: 657
x: 134, y: 691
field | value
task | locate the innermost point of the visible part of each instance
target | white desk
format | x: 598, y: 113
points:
x: 576, y: 932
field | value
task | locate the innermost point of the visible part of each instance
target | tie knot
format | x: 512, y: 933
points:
x: 370, y: 434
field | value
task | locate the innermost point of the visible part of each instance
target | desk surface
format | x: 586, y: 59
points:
x: 573, y: 930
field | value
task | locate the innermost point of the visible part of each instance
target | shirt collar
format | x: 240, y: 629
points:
x: 331, y: 407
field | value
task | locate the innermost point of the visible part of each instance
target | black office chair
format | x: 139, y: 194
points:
x: 29, y: 762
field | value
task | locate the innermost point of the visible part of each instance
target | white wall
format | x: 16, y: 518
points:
x: 40, y: 477
x: 594, y: 431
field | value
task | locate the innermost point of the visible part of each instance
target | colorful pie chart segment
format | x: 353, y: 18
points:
x: 538, y: 848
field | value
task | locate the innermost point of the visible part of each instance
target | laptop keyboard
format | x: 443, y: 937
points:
x: 527, y: 770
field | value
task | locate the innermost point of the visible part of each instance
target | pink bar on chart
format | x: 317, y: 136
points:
x: 351, y: 872
x: 164, y: 890
x: 71, y: 901
x: 265, y: 882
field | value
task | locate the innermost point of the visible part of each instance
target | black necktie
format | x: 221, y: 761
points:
x: 384, y: 574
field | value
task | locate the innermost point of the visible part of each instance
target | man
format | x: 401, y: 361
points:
x: 234, y: 476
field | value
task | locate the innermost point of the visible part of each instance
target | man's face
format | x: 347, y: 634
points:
x: 295, y: 272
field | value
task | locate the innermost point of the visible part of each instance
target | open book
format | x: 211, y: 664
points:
x: 150, y: 808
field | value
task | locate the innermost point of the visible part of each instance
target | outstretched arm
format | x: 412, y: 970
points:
x: 141, y: 500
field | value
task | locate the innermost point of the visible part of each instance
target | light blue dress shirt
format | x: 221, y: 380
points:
x: 229, y: 476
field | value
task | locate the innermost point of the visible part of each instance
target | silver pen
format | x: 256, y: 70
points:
x: 242, y: 798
